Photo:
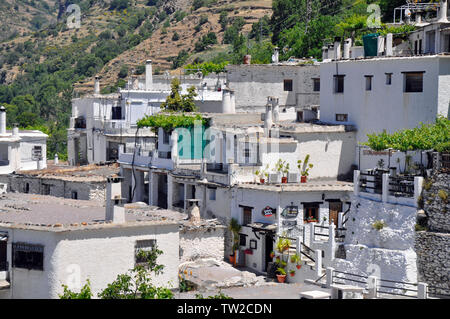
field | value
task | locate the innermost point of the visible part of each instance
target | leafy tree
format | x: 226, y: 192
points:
x: 223, y: 19
x: 123, y: 71
x: 119, y: 4
x: 175, y: 36
x: 180, y: 59
x: 85, y: 292
x: 177, y: 102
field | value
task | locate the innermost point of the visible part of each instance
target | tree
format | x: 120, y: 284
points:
x: 135, y: 284
x: 177, y: 102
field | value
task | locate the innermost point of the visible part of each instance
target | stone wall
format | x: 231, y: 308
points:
x: 203, y: 240
x: 433, y: 245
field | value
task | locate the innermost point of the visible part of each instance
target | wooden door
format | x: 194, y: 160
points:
x: 335, y: 209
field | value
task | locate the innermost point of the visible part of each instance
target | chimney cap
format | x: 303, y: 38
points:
x: 148, y: 61
x: 97, y: 77
x: 2, y: 109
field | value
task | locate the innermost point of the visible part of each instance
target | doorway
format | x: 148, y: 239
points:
x: 269, y: 248
x: 335, y: 209
x: 3, y: 256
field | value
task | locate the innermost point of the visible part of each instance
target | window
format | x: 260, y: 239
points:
x: 287, y: 85
x: 74, y: 195
x: 28, y: 256
x: 212, y: 193
x: 368, y: 82
x: 341, y: 117
x: 36, y: 153
x: 145, y: 245
x: 316, y: 85
x: 116, y: 113
x: 165, y: 137
x: 242, y: 240
x: 247, y: 215
x: 27, y: 188
x: 413, y: 82
x: 388, y: 78
x: 339, y: 83
x: 310, y: 211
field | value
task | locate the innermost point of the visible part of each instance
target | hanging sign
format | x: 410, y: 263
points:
x: 290, y: 211
x: 268, y: 211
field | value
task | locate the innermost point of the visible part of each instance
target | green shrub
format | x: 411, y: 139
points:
x: 379, y: 225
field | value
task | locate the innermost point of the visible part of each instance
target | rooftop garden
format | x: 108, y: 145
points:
x: 170, y: 121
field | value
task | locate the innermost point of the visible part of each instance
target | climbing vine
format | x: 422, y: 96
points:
x: 168, y: 122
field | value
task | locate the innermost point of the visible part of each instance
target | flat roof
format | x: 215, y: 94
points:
x: 48, y: 213
x: 309, y: 186
x: 388, y: 58
x: 86, y: 173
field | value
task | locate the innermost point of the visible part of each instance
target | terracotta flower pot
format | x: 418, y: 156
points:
x: 272, y: 255
x: 232, y: 259
x: 303, y: 179
x: 299, y: 266
x: 281, y: 278
x: 284, y: 180
x: 262, y: 180
x: 292, y: 274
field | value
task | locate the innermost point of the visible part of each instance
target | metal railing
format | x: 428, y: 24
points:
x: 307, y: 252
x: 401, y: 186
x: 438, y: 292
x: 320, y: 233
x: 371, y: 181
x: 405, y: 287
x: 340, y: 277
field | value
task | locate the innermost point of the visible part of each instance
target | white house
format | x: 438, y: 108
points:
x: 21, y: 150
x: 62, y: 241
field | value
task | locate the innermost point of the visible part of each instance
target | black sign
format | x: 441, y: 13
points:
x: 268, y: 211
x: 290, y: 211
x: 289, y: 223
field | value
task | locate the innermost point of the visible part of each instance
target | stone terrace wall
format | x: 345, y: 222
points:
x: 204, y: 240
x: 433, y: 246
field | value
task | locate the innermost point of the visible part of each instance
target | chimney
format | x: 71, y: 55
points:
x: 389, y: 40
x: 418, y: 17
x: 114, y: 213
x: 275, y: 109
x: 324, y: 53
x: 97, y: 85
x: 275, y: 56
x: 148, y: 75
x: 380, y: 46
x: 443, y: 11
x: 233, y: 102
x: 268, y: 118
x: 226, y: 101
x: 2, y: 120
x: 337, y: 48
x: 331, y: 52
x: 15, y: 130
x: 347, y: 46
x: 247, y: 59
x: 56, y: 161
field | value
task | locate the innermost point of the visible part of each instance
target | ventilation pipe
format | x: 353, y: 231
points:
x: 331, y: 52
x: 97, y: 85
x: 226, y: 101
x: 389, y: 41
x: 347, y: 46
x: 443, y: 11
x: 2, y: 120
x: 275, y: 56
x: 114, y: 213
x: 268, y: 122
x: 148, y: 75
x: 337, y: 48
x: 56, y: 161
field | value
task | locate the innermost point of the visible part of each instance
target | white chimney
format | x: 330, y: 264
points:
x: 337, y: 48
x: 268, y: 122
x: 347, y: 46
x: 148, y: 75
x: 56, y: 161
x: 443, y: 11
x: 275, y: 109
x: 380, y: 46
x: 114, y: 213
x: 2, y: 120
x: 418, y: 18
x: 275, y: 56
x: 15, y: 130
x: 232, y: 102
x: 226, y: 101
x: 324, y: 53
x: 331, y: 52
x: 97, y: 85
x: 389, y: 41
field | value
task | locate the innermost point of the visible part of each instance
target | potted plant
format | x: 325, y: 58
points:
x: 285, y: 173
x: 304, y: 167
x: 262, y: 174
x: 295, y: 259
x: 283, y: 244
x: 292, y: 273
x: 280, y: 166
x: 235, y: 228
x: 281, y: 274
x: 272, y: 254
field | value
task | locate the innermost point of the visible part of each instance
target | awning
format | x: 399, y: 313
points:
x: 3, y: 237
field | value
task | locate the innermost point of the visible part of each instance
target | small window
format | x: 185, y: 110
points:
x: 339, y: 83
x: 388, y: 78
x: 242, y: 240
x: 212, y: 193
x: 368, y: 82
x: 74, y: 195
x: 413, y: 82
x: 165, y: 137
x: 28, y: 256
x: 247, y: 215
x: 45, y: 190
x: 36, y: 153
x: 145, y: 245
x: 316, y: 85
x: 116, y: 113
x: 27, y: 188
x: 288, y: 85
x: 310, y: 211
x: 341, y: 117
